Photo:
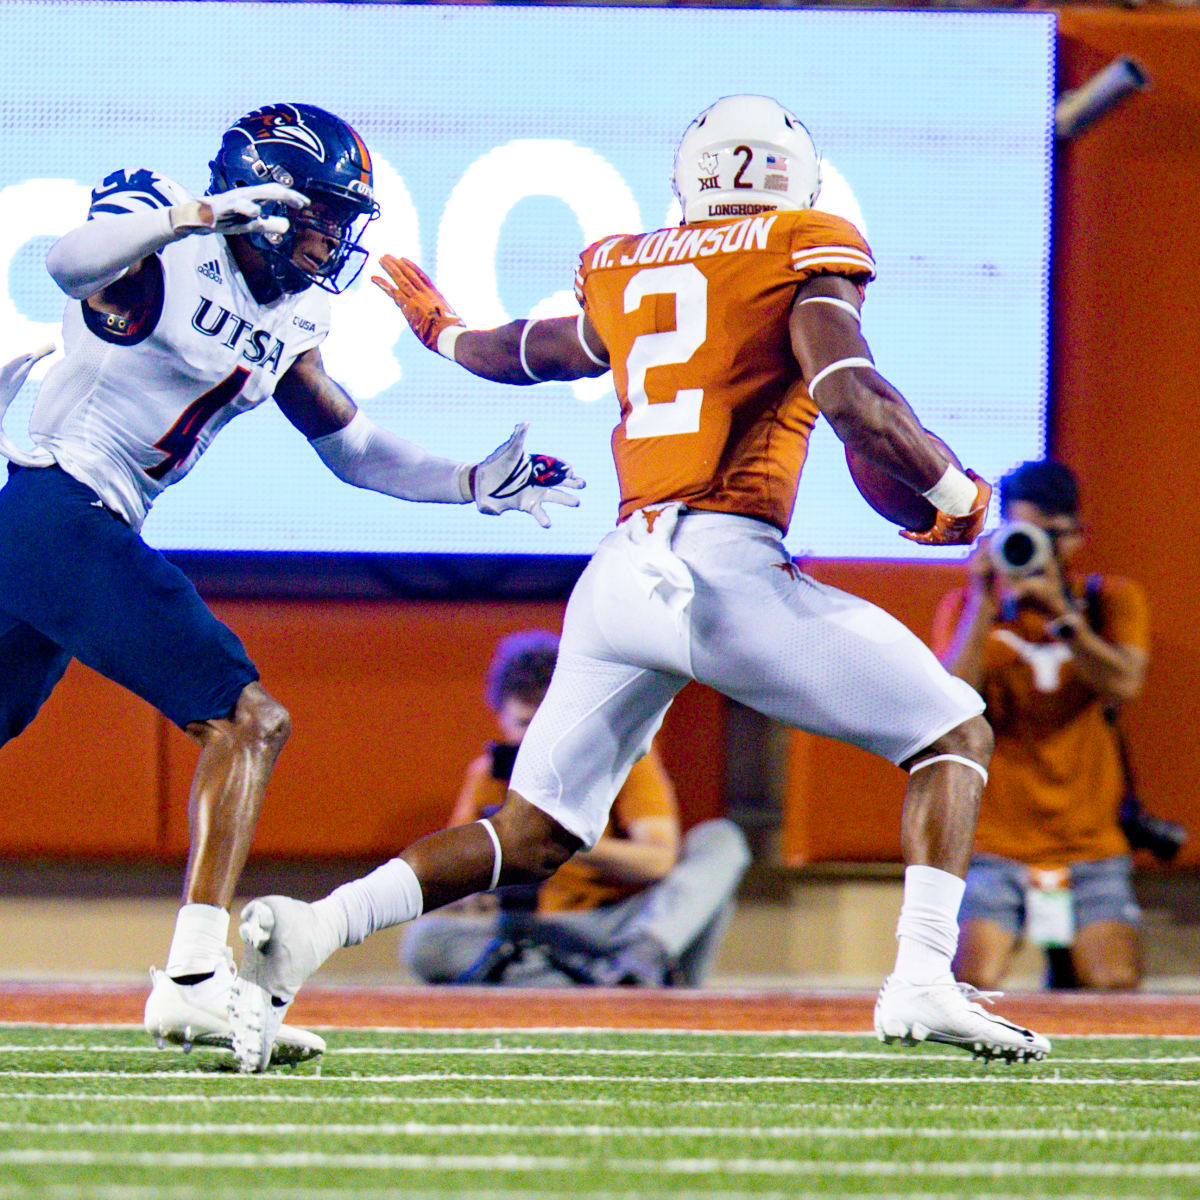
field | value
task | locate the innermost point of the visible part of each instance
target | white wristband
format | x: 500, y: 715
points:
x: 953, y: 494
x: 447, y: 338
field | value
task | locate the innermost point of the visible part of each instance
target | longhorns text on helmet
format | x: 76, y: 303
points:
x: 360, y: 348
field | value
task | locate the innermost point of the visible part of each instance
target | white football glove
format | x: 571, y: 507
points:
x: 236, y: 211
x: 510, y: 478
x: 12, y: 375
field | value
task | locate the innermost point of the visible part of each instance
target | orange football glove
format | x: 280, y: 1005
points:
x: 957, y: 531
x: 424, y: 307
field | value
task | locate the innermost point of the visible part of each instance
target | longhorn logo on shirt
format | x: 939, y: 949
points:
x: 259, y: 347
x: 281, y: 123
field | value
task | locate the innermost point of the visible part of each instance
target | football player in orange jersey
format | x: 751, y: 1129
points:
x: 727, y: 337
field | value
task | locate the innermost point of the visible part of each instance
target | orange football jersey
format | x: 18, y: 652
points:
x: 695, y: 319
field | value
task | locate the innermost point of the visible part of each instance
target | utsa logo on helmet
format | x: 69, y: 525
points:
x: 281, y: 123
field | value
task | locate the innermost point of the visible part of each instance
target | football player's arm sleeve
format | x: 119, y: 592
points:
x: 368, y: 456
x: 95, y: 254
x: 358, y: 451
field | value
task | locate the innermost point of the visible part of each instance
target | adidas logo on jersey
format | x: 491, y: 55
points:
x: 211, y: 270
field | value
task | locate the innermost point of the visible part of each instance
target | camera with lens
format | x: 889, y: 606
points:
x: 1020, y: 548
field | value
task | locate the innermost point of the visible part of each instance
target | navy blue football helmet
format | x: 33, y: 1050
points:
x: 306, y: 148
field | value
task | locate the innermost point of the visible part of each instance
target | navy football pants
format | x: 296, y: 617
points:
x: 77, y: 582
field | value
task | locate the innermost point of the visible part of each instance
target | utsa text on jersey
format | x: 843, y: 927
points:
x: 255, y: 349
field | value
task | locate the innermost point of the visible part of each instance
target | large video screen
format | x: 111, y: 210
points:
x: 505, y: 140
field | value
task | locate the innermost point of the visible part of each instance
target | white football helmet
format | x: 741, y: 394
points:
x: 745, y: 154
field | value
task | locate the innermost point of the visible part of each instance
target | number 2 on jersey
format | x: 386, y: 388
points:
x: 680, y: 414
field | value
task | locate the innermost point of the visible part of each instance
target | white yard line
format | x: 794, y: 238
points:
x: 513, y: 1192
x: 591, y: 1052
x: 597, y: 1031
x: 527, y: 1164
x: 418, y: 1100
x: 1007, y: 1077
x: 458, y: 1129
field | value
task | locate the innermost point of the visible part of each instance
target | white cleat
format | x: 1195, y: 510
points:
x: 197, y: 1014
x: 950, y: 1013
x: 286, y: 941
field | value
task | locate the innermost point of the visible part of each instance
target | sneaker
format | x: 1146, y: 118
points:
x: 196, y: 1014
x: 950, y: 1013
x: 286, y: 941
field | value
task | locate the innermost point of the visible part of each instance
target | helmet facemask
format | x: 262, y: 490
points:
x: 329, y: 219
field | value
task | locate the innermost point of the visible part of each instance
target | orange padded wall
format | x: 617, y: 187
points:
x: 387, y: 709
x: 85, y: 778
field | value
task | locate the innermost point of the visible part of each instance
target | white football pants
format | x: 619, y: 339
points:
x: 672, y: 595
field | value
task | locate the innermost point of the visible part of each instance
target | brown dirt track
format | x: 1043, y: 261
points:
x: 475, y: 1008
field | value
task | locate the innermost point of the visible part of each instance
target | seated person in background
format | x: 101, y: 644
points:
x: 645, y: 906
x: 1053, y: 654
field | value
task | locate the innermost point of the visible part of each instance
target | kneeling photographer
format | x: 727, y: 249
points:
x: 1054, y: 654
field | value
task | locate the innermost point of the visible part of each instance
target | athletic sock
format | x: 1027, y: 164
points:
x: 199, y: 945
x: 389, y: 895
x: 927, y: 932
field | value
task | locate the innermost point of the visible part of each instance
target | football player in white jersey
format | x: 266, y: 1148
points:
x: 187, y: 311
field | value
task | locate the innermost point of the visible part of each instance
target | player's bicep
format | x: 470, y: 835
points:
x: 825, y: 324
x: 310, y: 400
x: 560, y: 348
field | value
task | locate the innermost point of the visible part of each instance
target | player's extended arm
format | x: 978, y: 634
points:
x: 364, y: 454
x: 100, y: 251
x: 521, y: 352
x: 871, y: 416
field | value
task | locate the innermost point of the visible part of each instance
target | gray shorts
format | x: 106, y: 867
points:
x: 1101, y: 890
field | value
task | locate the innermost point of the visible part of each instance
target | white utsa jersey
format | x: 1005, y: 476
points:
x: 135, y: 402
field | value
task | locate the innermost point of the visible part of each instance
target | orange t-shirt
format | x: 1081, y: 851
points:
x: 1055, y: 780
x: 646, y: 792
x: 695, y: 319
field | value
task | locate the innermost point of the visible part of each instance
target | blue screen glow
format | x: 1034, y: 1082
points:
x: 506, y: 139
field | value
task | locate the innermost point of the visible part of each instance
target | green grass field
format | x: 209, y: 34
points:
x: 98, y: 1112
